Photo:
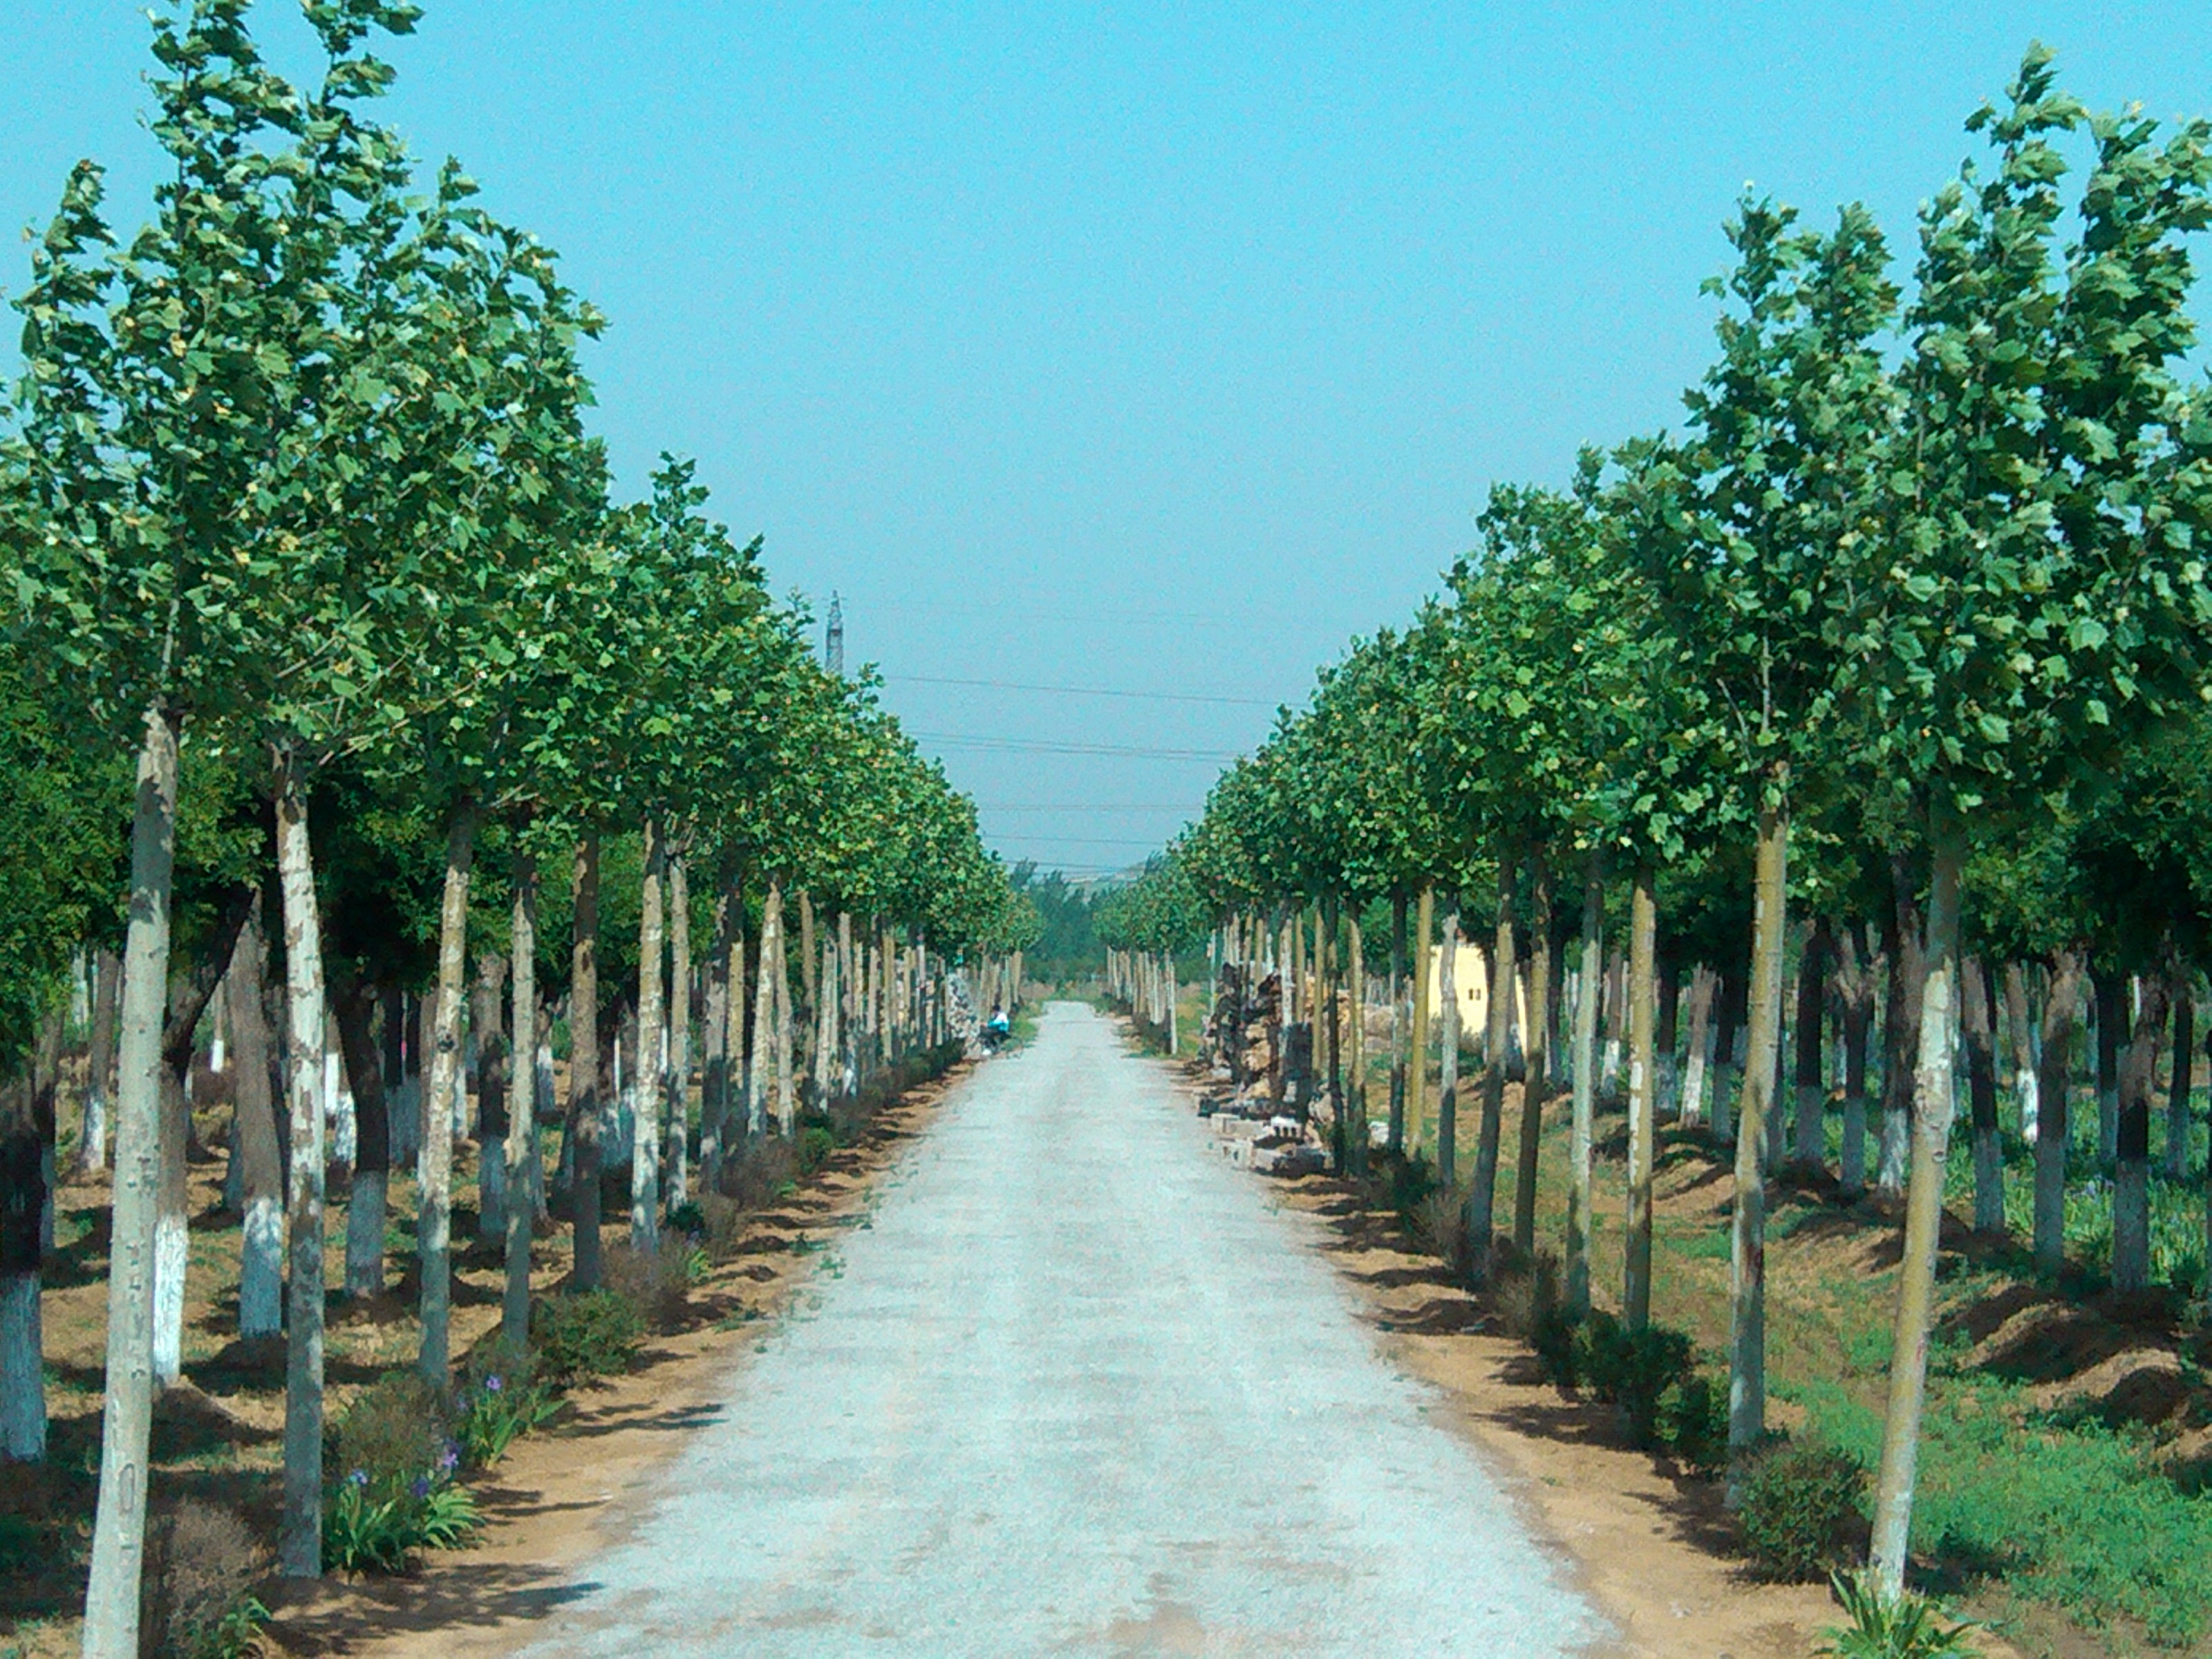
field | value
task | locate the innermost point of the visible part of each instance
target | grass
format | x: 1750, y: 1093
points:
x: 2054, y: 1531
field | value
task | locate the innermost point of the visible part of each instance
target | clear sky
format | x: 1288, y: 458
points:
x: 1154, y: 349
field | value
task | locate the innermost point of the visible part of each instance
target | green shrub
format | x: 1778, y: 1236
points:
x: 816, y: 1144
x: 21, y: 1544
x: 394, y: 1431
x: 1801, y: 1509
x: 395, y: 1457
x: 501, y: 1397
x: 587, y: 1334
x: 689, y: 1219
x: 1552, y: 1335
x: 1693, y: 1423
x: 1633, y: 1368
x: 1885, y: 1627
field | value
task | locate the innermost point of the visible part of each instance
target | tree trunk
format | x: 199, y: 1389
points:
x: 1585, y: 1069
x: 1932, y: 1106
x: 23, y: 1198
x: 2020, y: 1034
x: 1900, y: 1032
x: 584, y: 1061
x: 1424, y: 980
x: 1482, y: 1189
x: 805, y: 1016
x: 1729, y: 998
x: 1358, y: 1134
x: 825, y: 1024
x: 2131, y: 1175
x: 678, y: 1133
x: 1855, y: 987
x: 1811, y: 1148
x: 714, y: 1047
x: 434, y: 1217
x: 1448, y: 1057
x: 368, y: 1193
x: 111, y: 1602
x: 2184, y: 1077
x: 99, y: 1069
x: 2062, y: 1008
x: 172, y: 1229
x: 1642, y: 950
x: 300, y: 1534
x: 1399, y: 1023
x: 1697, y: 1071
x: 1747, y: 1236
x: 189, y: 1000
x: 1978, y: 1010
x: 521, y: 1124
x: 763, y: 1023
x: 2110, y: 991
x: 787, y: 1104
x: 651, y: 1088
x: 261, y: 1251
x: 488, y: 1025
x: 1536, y: 1057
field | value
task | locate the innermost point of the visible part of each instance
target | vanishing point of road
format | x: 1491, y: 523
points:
x: 1077, y: 1386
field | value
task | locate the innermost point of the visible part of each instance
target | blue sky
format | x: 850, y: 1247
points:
x: 1159, y: 350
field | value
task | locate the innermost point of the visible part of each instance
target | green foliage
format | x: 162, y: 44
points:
x: 1666, y: 1403
x: 393, y: 1433
x: 22, y: 1544
x: 1799, y: 1506
x: 364, y: 1533
x: 816, y: 1143
x: 1692, y: 1422
x: 594, y: 1333
x: 1885, y: 1627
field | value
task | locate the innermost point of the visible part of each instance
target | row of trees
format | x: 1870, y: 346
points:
x: 314, y: 576
x: 1889, y: 665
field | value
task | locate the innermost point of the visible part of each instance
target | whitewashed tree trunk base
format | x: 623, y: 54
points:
x: 171, y: 1250
x: 23, y: 1371
x: 261, y: 1268
x: 365, y: 1215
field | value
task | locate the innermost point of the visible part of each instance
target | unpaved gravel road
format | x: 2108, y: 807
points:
x: 1073, y: 1388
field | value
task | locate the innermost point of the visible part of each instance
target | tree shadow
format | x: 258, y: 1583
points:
x: 333, y: 1619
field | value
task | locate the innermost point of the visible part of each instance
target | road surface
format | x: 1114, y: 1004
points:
x: 1076, y: 1387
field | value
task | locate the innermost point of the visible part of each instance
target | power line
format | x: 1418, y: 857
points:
x: 1096, y: 840
x: 1081, y: 690
x: 1036, y: 746
x: 1088, y: 806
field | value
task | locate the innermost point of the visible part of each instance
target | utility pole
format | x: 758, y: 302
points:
x: 833, y: 644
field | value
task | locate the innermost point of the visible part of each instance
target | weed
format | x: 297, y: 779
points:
x: 500, y: 1399
x: 364, y: 1533
x: 196, y: 1593
x: 1524, y: 1292
x: 655, y: 1282
x: 22, y: 1545
x: 1890, y: 1627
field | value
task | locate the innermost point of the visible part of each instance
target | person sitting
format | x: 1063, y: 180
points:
x: 996, y: 1029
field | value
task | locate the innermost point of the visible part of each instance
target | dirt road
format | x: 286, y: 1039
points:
x: 1070, y: 1388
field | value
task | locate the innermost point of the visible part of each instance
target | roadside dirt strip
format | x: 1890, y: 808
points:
x: 1068, y: 1384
